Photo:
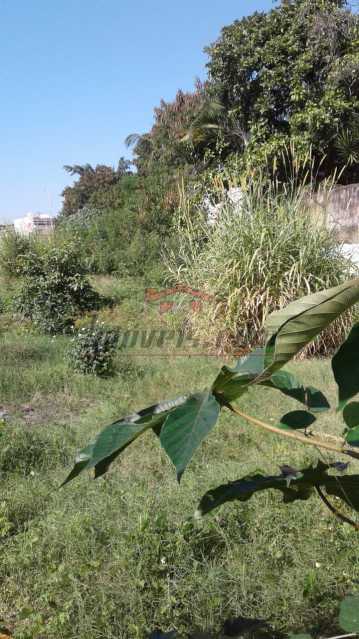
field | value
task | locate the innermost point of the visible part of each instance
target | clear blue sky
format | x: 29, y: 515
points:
x: 77, y: 76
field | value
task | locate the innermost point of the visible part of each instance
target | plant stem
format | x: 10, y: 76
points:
x: 311, y: 441
x: 342, y: 448
x: 343, y: 518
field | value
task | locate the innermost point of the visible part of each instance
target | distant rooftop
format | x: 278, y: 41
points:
x: 34, y: 222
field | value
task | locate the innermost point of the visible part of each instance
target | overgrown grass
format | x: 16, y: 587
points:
x: 120, y: 556
x: 255, y: 259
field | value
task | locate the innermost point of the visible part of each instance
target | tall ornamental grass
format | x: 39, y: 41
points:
x: 255, y: 259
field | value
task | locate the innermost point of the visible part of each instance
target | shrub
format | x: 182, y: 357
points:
x: 93, y: 349
x: 14, y: 247
x: 112, y: 241
x: 257, y: 258
x: 55, y: 290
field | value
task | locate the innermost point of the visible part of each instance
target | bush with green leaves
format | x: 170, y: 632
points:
x: 14, y: 248
x: 183, y: 423
x: 112, y: 241
x: 93, y: 349
x: 55, y: 290
x: 121, y: 226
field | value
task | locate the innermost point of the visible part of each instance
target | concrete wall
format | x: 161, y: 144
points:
x: 340, y: 211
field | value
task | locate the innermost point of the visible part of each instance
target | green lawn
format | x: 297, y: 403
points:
x: 119, y: 557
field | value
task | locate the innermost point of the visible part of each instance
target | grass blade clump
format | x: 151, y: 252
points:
x: 257, y: 258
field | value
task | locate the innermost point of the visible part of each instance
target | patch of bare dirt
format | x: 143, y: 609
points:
x: 41, y: 411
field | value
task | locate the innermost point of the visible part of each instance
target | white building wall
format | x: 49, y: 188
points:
x: 32, y: 222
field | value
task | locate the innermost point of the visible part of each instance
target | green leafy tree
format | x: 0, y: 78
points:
x: 164, y: 143
x: 291, y: 73
x: 216, y: 130
x: 55, y: 289
x: 91, y: 180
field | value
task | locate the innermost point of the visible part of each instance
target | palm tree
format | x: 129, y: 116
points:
x: 79, y: 169
x: 214, y: 122
x: 347, y: 142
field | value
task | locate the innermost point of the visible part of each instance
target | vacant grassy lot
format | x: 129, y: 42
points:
x: 118, y: 557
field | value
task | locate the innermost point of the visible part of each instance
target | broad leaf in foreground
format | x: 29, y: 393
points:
x: 351, y: 414
x: 292, y: 328
x: 349, y: 614
x: 113, y: 439
x: 186, y: 427
x: 296, y: 419
x: 231, y: 383
x: 293, y: 484
x: 345, y: 365
x: 287, y: 384
x: 81, y: 461
x: 352, y: 436
x: 351, y: 418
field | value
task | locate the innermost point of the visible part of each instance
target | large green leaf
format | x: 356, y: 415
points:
x: 345, y: 364
x: 81, y: 461
x: 293, y: 327
x: 186, y: 427
x: 352, y: 437
x: 351, y: 418
x: 231, y: 383
x: 349, y: 614
x: 113, y: 439
x: 293, y: 484
x: 351, y: 414
x: 296, y: 419
x: 287, y: 384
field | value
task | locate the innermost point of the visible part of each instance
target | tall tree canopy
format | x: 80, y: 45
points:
x: 91, y: 180
x: 164, y: 144
x: 292, y: 73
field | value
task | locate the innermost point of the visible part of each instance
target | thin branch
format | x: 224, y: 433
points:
x: 340, y: 448
x: 335, y: 511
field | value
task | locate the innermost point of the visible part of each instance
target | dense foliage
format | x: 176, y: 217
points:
x: 290, y: 73
x: 90, y: 181
x: 123, y: 226
x: 14, y: 247
x: 282, y: 86
x: 92, y: 349
x: 257, y: 257
x: 55, y: 289
x: 241, y: 626
x: 164, y: 143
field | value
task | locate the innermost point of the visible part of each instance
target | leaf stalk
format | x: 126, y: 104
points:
x: 310, y: 440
